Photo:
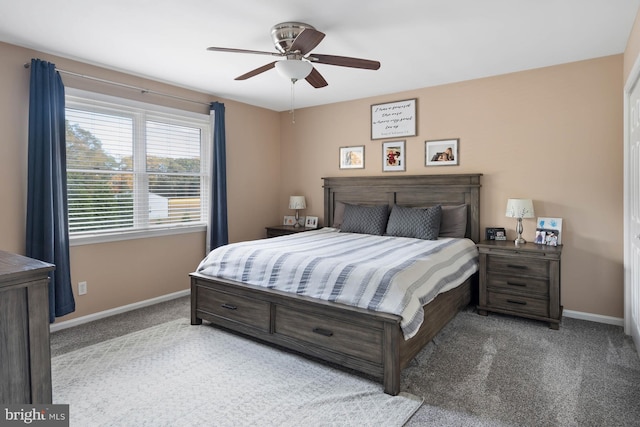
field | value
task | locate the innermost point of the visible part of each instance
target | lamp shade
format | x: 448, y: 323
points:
x: 520, y: 208
x: 295, y: 69
x: 297, y: 202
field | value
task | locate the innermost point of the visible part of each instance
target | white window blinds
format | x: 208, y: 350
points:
x: 132, y: 168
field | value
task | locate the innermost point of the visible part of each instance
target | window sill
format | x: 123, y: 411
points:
x: 132, y: 235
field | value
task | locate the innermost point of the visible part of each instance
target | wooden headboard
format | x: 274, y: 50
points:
x: 407, y: 190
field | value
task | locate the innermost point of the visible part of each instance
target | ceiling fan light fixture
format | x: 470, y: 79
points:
x: 294, y: 42
x: 294, y: 69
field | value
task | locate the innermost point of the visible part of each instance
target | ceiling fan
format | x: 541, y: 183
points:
x: 294, y: 42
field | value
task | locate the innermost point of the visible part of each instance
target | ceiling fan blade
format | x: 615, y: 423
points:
x: 257, y: 71
x: 344, y: 61
x: 232, y: 50
x: 315, y: 79
x: 306, y: 41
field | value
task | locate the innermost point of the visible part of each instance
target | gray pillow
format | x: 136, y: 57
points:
x: 415, y: 222
x: 454, y: 221
x: 338, y: 215
x: 365, y: 219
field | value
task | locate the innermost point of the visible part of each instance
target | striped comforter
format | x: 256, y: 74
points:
x: 389, y: 274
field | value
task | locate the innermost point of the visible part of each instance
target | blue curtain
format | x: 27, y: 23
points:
x: 47, y: 220
x: 218, y: 228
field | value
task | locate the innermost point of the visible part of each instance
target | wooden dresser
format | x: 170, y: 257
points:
x: 522, y: 280
x: 25, y: 355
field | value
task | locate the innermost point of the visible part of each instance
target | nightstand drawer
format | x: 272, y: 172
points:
x: 518, y: 266
x: 276, y: 233
x: 518, y: 284
x: 284, y: 230
x: 517, y: 303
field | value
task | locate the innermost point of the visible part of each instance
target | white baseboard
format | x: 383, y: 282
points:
x: 102, y: 314
x: 593, y: 317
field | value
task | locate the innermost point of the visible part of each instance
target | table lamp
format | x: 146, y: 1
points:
x: 297, y: 203
x: 519, y: 208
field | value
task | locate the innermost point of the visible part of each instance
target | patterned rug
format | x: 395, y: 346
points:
x: 175, y: 374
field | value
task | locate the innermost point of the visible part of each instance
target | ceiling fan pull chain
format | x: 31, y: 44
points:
x: 293, y: 98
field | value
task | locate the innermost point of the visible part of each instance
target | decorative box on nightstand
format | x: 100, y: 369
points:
x: 282, y: 230
x: 522, y: 280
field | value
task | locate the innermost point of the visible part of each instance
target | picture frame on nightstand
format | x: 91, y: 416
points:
x: 549, y: 231
x: 495, y: 233
x: 289, y: 220
x: 311, y: 222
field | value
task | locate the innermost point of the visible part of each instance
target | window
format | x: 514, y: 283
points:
x: 134, y: 168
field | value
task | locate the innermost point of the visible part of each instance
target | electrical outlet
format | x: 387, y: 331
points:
x: 82, y: 288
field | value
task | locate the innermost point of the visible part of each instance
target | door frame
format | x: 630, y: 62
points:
x: 629, y: 328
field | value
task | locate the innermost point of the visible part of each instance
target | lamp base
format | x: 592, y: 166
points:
x: 519, y: 240
x: 297, y: 224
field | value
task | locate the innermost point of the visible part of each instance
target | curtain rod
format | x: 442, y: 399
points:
x: 142, y: 90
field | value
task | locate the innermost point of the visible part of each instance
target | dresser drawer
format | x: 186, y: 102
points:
x: 518, y: 265
x: 248, y: 311
x: 331, y: 333
x: 518, y: 285
x: 518, y: 303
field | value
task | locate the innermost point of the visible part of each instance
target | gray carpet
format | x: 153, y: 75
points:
x: 501, y: 370
x: 480, y: 371
x: 67, y: 340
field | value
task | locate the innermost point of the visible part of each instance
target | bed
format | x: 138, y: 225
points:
x: 377, y: 343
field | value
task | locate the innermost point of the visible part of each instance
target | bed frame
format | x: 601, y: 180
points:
x: 364, y: 340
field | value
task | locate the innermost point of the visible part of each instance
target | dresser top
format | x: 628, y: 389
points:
x: 14, y: 266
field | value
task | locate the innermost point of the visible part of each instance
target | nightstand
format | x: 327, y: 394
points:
x: 283, y: 230
x: 522, y: 280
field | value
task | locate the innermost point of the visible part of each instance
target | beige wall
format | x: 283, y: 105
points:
x: 552, y: 134
x: 130, y: 271
x: 632, y: 51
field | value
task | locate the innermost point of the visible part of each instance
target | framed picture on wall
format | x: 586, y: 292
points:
x: 393, y: 156
x: 393, y: 119
x: 442, y: 152
x: 352, y: 157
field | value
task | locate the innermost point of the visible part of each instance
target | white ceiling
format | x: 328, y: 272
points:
x: 420, y: 43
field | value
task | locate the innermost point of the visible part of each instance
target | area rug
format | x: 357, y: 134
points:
x: 176, y: 374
